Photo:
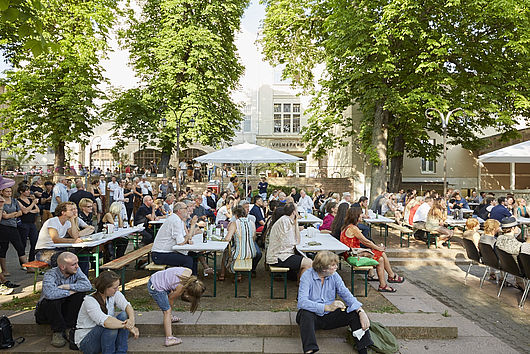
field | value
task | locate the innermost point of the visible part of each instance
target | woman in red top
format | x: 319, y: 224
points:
x: 352, y: 237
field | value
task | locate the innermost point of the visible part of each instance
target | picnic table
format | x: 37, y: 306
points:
x: 156, y: 225
x: 451, y: 221
x: 378, y: 220
x: 209, y: 247
x: 523, y: 222
x: 94, y: 241
x: 320, y: 242
x: 307, y: 218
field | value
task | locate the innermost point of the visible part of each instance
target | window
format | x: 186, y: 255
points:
x: 286, y: 123
x: 287, y: 107
x: 428, y: 166
x: 277, y: 123
x: 296, y: 107
x: 246, y: 124
x: 277, y: 108
x: 296, y: 123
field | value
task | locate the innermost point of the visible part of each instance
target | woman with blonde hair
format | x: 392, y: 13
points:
x: 113, y: 216
x: 471, y: 232
x: 521, y: 210
x: 165, y: 286
x: 436, y: 219
x: 99, y: 329
x: 491, y: 228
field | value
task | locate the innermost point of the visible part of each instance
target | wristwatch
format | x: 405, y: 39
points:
x: 360, y: 310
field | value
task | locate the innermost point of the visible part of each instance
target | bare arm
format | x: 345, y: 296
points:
x: 56, y: 239
x: 231, y: 231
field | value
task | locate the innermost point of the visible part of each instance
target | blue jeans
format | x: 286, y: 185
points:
x: 175, y: 259
x: 160, y: 297
x: 106, y: 341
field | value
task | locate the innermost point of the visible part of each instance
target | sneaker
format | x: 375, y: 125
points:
x: 23, y: 268
x: 11, y: 285
x: 172, y: 341
x: 4, y: 290
x: 58, y: 340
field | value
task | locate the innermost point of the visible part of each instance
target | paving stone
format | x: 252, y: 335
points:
x: 294, y: 345
x: 489, y: 345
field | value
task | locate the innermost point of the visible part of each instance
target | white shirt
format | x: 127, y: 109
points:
x: 221, y: 214
x: 112, y: 188
x: 421, y: 213
x: 90, y: 314
x: 45, y: 240
x: 103, y: 186
x: 230, y: 187
x: 306, y: 203
x: 118, y: 194
x: 146, y: 187
x: 183, y: 165
x: 170, y: 234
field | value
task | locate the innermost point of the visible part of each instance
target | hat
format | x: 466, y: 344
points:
x: 6, y: 183
x: 508, y: 221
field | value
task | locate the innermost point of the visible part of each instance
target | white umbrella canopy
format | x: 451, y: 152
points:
x: 247, y: 153
x: 514, y: 153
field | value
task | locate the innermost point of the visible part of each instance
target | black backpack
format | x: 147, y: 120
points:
x: 6, y: 334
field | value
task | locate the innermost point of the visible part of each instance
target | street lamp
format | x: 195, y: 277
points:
x: 98, y: 146
x: 445, y: 122
x: 191, y: 123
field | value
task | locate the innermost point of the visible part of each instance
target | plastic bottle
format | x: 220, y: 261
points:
x: 204, y: 236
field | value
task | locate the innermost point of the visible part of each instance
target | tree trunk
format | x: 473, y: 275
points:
x: 379, y: 148
x: 163, y: 166
x: 396, y: 167
x: 59, y: 158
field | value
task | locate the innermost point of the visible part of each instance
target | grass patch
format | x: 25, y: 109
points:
x: 21, y: 303
x: 142, y: 304
x: 446, y: 314
x: 386, y: 309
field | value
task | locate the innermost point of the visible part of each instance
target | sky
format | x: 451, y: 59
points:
x: 256, y: 73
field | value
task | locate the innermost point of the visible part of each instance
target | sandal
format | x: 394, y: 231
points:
x: 221, y: 277
x: 208, y: 271
x: 387, y: 289
x: 172, y: 341
x: 396, y: 279
x: 175, y: 319
x: 372, y: 278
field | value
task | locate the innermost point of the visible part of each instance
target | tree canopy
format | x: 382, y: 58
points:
x: 50, y: 100
x: 184, y: 53
x: 396, y: 58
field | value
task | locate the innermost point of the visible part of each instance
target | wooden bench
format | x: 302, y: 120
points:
x: 279, y: 270
x: 37, y: 267
x: 243, y: 266
x: 359, y: 270
x: 402, y: 231
x: 122, y: 262
x: 155, y: 267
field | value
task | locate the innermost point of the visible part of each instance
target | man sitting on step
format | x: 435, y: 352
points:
x: 63, y: 290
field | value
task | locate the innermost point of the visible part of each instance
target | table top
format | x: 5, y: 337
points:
x: 199, y: 246
x: 104, y: 239
x: 522, y: 220
x: 158, y: 222
x: 309, y: 218
x: 327, y: 243
x: 380, y: 219
x: 459, y: 222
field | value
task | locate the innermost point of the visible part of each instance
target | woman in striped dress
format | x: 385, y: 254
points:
x: 242, y: 237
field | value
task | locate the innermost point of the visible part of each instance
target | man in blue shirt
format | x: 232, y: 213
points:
x: 318, y: 309
x: 63, y: 291
x: 262, y: 187
x: 257, y: 211
x: 500, y: 211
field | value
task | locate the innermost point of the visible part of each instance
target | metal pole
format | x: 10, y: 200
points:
x: 445, y: 158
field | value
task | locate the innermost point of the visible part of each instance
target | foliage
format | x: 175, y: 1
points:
x: 21, y: 28
x: 51, y: 99
x: 404, y: 56
x: 184, y: 52
x: 16, y: 161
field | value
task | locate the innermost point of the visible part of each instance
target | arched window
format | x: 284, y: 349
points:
x: 146, y: 157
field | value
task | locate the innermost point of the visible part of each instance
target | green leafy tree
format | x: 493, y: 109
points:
x: 50, y: 100
x: 393, y: 59
x: 184, y: 53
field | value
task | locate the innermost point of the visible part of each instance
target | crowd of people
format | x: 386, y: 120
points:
x: 264, y: 226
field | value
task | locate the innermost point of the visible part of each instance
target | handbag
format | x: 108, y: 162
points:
x: 6, y: 334
x: 361, y: 261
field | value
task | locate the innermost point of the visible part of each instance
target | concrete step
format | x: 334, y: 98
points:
x: 426, y: 261
x: 201, y: 345
x: 258, y: 324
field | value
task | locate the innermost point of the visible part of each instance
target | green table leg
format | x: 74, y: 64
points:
x: 214, y: 274
x: 386, y: 232
x: 96, y: 256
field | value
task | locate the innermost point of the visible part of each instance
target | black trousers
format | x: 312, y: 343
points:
x: 309, y: 322
x: 61, y: 313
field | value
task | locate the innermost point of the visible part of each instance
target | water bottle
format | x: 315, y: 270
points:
x: 204, y: 236
x: 116, y: 226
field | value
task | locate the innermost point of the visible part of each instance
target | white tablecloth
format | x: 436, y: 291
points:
x: 524, y: 221
x: 379, y: 220
x: 123, y: 232
x: 199, y: 246
x: 309, y: 219
x: 327, y: 243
